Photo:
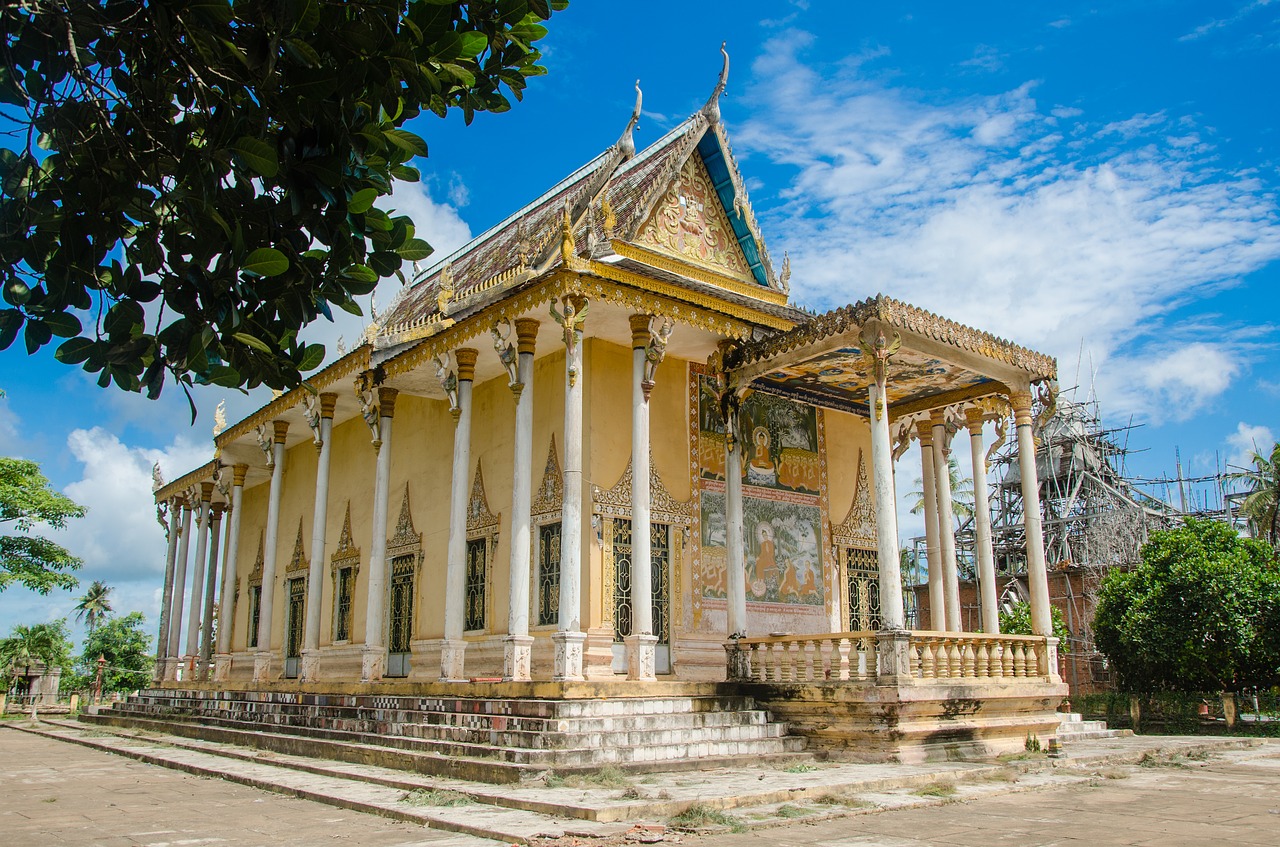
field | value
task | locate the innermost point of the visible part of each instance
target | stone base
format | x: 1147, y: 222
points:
x: 310, y: 665
x: 641, y: 658
x: 568, y: 656
x: 373, y: 664
x: 221, y: 667
x: 517, y: 656
x: 453, y: 665
x: 915, y: 720
x: 262, y: 666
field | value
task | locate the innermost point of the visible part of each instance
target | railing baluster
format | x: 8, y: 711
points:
x: 844, y: 645
x: 968, y: 662
x: 808, y: 648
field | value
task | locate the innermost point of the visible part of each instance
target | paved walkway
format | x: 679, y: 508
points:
x: 57, y: 793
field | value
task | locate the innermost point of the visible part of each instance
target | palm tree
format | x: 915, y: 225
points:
x: 1262, y: 494
x: 44, y: 643
x: 94, y: 605
x: 961, y: 494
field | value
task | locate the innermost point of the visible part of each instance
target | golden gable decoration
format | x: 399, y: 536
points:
x: 663, y: 508
x: 255, y: 574
x: 548, y: 497
x: 858, y: 529
x: 689, y: 223
x: 298, y: 561
x: 405, y: 541
x: 347, y: 554
x: 480, y: 521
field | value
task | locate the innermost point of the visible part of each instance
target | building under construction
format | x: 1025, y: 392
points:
x: 1095, y: 518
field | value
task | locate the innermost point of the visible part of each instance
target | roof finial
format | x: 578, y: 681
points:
x: 626, y: 143
x: 712, y: 109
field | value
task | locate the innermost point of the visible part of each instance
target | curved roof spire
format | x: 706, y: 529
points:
x: 712, y: 109
x: 627, y: 143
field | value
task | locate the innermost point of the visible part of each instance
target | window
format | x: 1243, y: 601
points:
x: 660, y: 555
x: 401, y: 618
x: 255, y: 603
x: 477, y: 566
x: 549, y: 574
x: 342, y: 600
x: 862, y: 572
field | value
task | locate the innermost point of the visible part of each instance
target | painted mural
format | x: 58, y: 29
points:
x: 782, y: 510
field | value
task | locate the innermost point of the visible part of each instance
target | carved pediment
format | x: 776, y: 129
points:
x: 548, y: 497
x: 405, y: 540
x: 689, y: 224
x: 255, y: 574
x: 298, y: 561
x: 858, y: 529
x: 347, y: 554
x: 663, y: 508
x: 480, y: 521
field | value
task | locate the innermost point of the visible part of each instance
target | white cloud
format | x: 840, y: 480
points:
x: 1245, y: 441
x: 976, y: 208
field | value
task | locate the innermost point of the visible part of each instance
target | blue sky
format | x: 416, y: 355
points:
x: 1099, y: 183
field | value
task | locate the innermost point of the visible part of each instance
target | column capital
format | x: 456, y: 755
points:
x: 974, y: 418
x: 575, y: 315
x: 466, y: 359
x: 328, y: 402
x: 1021, y: 403
x: 924, y: 433
x: 218, y: 509
x: 387, y: 401
x: 526, y: 334
x: 640, y: 332
x: 280, y: 429
x: 206, y: 492
x: 238, y: 473
x: 938, y: 417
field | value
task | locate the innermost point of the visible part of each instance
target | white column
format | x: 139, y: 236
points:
x: 173, y: 532
x: 453, y: 651
x: 889, y: 565
x: 210, y: 587
x: 933, y: 549
x: 319, y: 523
x: 735, y: 555
x: 373, y: 659
x: 569, y: 638
x: 641, y: 642
x: 974, y: 418
x: 946, y: 519
x: 226, y: 599
x: 262, y: 659
x: 197, y: 578
x: 179, y: 590
x: 1037, y: 575
x: 518, y: 645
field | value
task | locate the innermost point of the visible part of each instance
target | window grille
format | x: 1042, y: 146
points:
x: 549, y: 574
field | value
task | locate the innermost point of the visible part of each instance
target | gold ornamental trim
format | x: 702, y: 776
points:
x: 663, y: 262
x: 859, y: 527
x: 182, y: 483
x: 347, y: 553
x: 298, y: 562
x: 900, y: 315
x: 663, y: 507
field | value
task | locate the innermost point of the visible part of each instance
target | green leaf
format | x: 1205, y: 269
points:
x: 312, y: 356
x: 360, y: 273
x: 259, y: 156
x: 362, y: 201
x: 302, y: 52
x: 406, y: 140
x: 63, y: 324
x: 266, y: 261
x: 73, y: 351
x: 252, y: 341
x: 415, y: 250
x: 406, y: 173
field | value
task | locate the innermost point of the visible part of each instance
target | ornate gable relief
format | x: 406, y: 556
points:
x: 663, y: 508
x: 298, y: 561
x: 549, y: 495
x: 480, y: 521
x: 858, y: 529
x: 405, y: 541
x: 347, y: 554
x: 689, y: 223
x: 255, y: 575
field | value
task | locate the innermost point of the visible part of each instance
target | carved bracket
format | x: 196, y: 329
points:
x: 311, y: 411
x: 876, y: 351
x: 369, y: 408
x: 655, y: 351
x: 506, y: 349
x: 449, y: 382
x: 266, y: 436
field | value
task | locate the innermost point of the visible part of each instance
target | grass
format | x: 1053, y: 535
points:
x: 788, y: 811
x: 607, y: 777
x: 801, y: 768
x: 849, y: 801
x: 936, y: 789
x: 435, y: 797
x: 1149, y: 760
x: 701, y: 816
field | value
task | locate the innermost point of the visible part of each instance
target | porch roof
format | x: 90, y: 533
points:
x: 940, y: 362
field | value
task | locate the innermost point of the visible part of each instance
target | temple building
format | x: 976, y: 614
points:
x: 596, y: 453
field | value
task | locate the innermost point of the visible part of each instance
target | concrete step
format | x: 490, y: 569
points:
x: 1092, y: 735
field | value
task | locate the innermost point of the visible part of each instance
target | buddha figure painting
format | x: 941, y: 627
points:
x: 761, y: 470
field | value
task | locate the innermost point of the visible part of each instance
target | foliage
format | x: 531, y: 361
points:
x: 25, y: 500
x: 198, y: 179
x: 1262, y: 484
x: 1017, y: 621
x: 123, y: 642
x: 1200, y: 612
x: 46, y: 643
x: 961, y: 494
x: 94, y: 605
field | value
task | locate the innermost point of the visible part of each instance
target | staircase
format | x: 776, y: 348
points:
x: 489, y: 739
x: 1075, y: 728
